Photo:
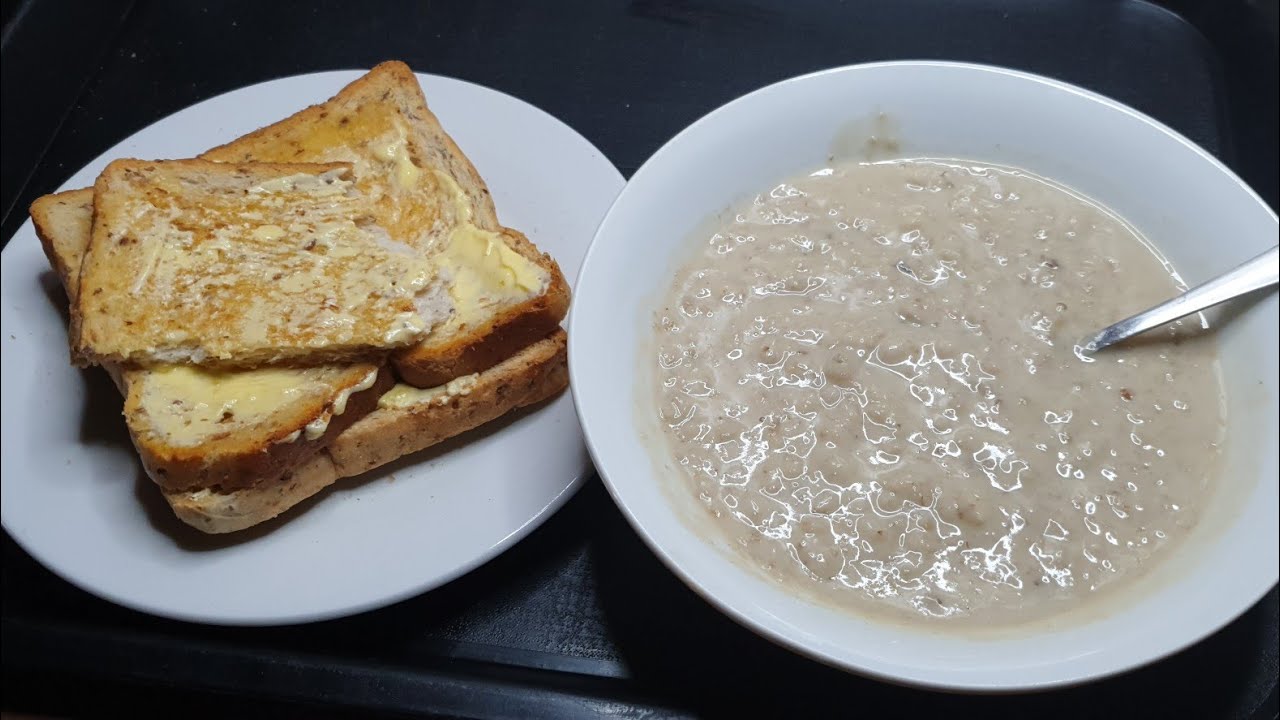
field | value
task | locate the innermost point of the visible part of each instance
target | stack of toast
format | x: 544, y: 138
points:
x: 306, y: 303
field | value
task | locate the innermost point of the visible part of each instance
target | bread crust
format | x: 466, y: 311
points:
x: 224, y: 512
x: 74, y: 207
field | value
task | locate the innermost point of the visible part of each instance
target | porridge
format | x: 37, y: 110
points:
x: 869, y: 378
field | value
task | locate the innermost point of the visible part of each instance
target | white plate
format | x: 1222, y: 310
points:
x: 1200, y: 214
x: 73, y: 493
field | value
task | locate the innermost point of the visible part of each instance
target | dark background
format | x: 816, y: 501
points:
x: 579, y: 619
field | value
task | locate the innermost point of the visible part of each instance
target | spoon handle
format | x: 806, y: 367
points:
x: 1261, y: 272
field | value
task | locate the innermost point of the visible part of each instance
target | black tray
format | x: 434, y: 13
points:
x: 579, y: 619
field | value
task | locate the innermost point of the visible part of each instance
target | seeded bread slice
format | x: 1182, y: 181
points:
x: 241, y: 265
x: 184, y: 446
x: 534, y: 374
x: 428, y: 194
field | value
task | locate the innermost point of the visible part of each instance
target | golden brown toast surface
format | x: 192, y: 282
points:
x: 242, y: 265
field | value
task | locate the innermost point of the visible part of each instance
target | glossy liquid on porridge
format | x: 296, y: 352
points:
x: 869, y: 377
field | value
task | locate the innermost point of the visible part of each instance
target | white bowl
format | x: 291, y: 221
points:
x: 1200, y: 214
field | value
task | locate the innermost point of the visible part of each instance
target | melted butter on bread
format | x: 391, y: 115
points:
x: 406, y: 396
x: 183, y: 268
x: 485, y: 272
x: 191, y: 403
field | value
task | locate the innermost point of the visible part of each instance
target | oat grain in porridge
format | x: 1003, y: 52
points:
x: 868, y: 377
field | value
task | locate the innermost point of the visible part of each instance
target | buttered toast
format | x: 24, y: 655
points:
x: 357, y: 438
x: 292, y: 431
x: 192, y: 261
x: 207, y: 429
x: 405, y: 422
x: 427, y: 194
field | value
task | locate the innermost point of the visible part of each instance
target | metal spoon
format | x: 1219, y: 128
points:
x: 1256, y: 274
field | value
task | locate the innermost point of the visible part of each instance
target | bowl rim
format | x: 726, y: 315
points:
x: 735, y: 613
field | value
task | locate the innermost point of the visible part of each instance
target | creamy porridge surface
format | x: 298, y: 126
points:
x: 868, y: 377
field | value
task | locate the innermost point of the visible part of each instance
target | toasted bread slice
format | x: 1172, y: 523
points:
x: 277, y: 420
x: 192, y: 261
x: 427, y: 194
x: 407, y: 421
x: 196, y: 428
